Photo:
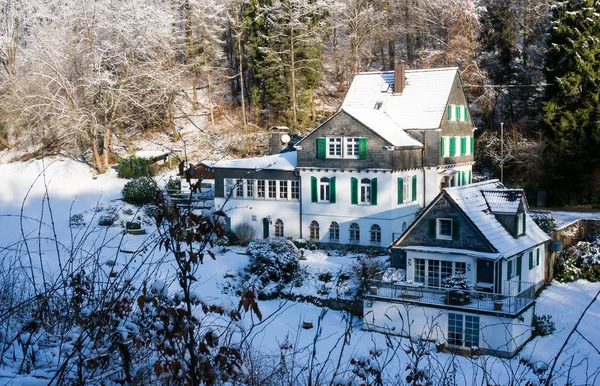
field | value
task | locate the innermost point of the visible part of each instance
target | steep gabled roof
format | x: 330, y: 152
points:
x: 283, y: 161
x: 382, y: 124
x: 472, y: 201
x: 420, y: 106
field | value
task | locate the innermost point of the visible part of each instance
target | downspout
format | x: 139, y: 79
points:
x: 423, y: 169
x: 300, y: 200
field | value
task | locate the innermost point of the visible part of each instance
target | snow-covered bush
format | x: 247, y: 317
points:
x: 108, y: 220
x: 363, y: 272
x: 245, y: 233
x: 545, y: 221
x: 581, y: 261
x: 274, y: 260
x: 458, y: 289
x: 542, y: 325
x: 139, y: 191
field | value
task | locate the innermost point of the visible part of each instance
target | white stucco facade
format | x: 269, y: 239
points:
x: 495, y: 333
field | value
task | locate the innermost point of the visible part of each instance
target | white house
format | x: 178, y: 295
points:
x: 484, y: 232
x: 361, y: 176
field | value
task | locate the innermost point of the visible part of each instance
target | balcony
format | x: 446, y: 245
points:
x: 516, y: 296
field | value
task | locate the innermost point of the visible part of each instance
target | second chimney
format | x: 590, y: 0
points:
x: 399, y: 78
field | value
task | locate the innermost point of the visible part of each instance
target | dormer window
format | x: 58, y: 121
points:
x: 378, y: 105
x: 521, y: 224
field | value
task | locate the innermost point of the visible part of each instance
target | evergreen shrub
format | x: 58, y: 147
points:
x: 135, y: 167
x: 581, y: 261
x: 139, y: 191
x: 274, y: 260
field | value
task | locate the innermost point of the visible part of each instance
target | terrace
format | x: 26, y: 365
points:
x: 516, y: 296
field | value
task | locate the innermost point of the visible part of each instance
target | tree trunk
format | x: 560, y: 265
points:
x: 293, y: 65
x: 241, y: 71
x: 210, y: 101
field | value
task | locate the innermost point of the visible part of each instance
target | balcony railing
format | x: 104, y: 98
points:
x: 516, y: 296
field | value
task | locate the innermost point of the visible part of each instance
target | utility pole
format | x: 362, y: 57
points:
x: 502, y: 152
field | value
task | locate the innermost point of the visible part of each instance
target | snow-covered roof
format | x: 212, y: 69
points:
x: 380, y: 122
x: 421, y: 104
x: 283, y: 161
x: 503, y: 200
x: 465, y: 252
x: 471, y: 199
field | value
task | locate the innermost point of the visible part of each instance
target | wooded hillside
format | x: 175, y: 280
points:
x: 76, y: 76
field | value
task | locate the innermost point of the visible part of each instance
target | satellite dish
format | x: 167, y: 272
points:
x: 285, y: 138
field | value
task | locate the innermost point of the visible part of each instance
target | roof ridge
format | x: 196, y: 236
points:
x: 408, y: 70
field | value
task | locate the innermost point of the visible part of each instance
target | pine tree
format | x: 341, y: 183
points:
x: 571, y: 112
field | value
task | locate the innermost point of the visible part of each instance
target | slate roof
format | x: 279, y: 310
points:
x: 420, y: 106
x: 284, y: 161
x: 380, y: 122
x: 471, y: 199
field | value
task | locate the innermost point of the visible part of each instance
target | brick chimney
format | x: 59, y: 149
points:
x: 399, y: 77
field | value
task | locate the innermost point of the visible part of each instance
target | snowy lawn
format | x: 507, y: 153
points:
x: 72, y: 190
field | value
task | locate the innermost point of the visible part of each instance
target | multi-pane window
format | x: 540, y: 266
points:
x: 432, y: 272
x: 354, y: 233
x: 334, y: 147
x: 406, y: 191
x: 324, y: 189
x: 375, y: 234
x: 295, y: 190
x: 458, y: 113
x: 272, y: 189
x: 314, y: 230
x: 451, y: 146
x: 444, y: 228
x: 260, y: 189
x: 463, y: 330
x: 229, y: 187
x: 352, y: 148
x: 471, y: 331
x: 334, y: 232
x: 455, y: 329
x: 278, y: 228
x: 419, y: 275
x: 250, y: 188
x: 283, y: 190
x: 365, y: 191
x: 239, y: 188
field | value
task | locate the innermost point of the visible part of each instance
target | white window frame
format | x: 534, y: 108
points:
x: 364, y: 192
x: 354, y: 236
x: 338, y: 147
x: 351, y: 147
x: 283, y: 190
x: 452, y: 113
x: 261, y: 185
x: 324, y: 193
x: 334, y: 232
x: 279, y: 228
x: 438, y: 229
x: 446, y: 147
x: 464, y: 330
x: 238, y: 191
x: 375, y: 234
x: 250, y: 184
x: 314, y: 230
x: 407, y: 189
x: 272, y: 189
x: 294, y: 190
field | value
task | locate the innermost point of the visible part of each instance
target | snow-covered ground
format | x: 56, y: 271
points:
x: 69, y: 188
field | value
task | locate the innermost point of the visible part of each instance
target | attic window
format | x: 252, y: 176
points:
x: 521, y: 224
x: 378, y: 105
x: 385, y: 87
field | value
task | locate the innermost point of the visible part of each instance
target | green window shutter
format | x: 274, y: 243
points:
x: 457, y: 113
x: 374, y: 191
x: 432, y: 228
x: 414, y: 187
x: 537, y: 257
x: 450, y: 110
x: 464, y: 177
x: 400, y: 190
x: 455, y: 229
x: 332, y: 190
x: 472, y: 145
x: 442, y: 146
x: 321, y: 147
x: 465, y: 113
x: 452, y: 146
x: 530, y: 260
x: 519, y: 264
x: 362, y: 148
x: 508, y: 270
x: 313, y: 189
x: 452, y: 183
x: 470, y: 176
x: 354, y: 191
x: 463, y: 145
x: 524, y: 222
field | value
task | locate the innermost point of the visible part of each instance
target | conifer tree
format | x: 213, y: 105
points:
x: 571, y: 112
